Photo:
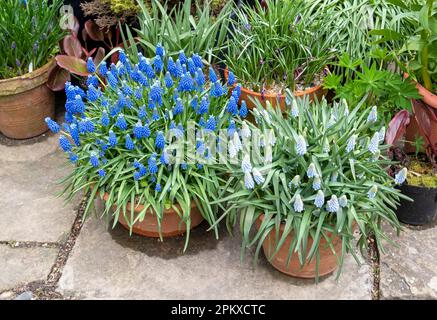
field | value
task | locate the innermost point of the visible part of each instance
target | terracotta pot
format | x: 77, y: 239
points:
x: 328, y: 261
x: 25, y: 102
x: 171, y: 223
x: 247, y: 94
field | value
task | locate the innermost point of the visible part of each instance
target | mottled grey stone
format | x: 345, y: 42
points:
x: 107, y: 264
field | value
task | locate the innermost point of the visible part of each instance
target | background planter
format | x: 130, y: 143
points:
x: 25, y: 102
x: 248, y: 95
x: 171, y: 223
x: 328, y: 261
x: 424, y: 208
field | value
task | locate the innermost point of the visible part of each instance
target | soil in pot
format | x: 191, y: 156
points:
x: 276, y: 100
x: 328, y: 261
x: 25, y: 102
x: 171, y: 223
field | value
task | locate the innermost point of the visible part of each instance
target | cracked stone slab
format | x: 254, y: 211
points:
x: 29, y: 176
x: 107, y: 264
x: 22, y: 265
x: 410, y: 270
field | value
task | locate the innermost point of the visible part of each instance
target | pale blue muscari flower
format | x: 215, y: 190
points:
x: 311, y: 172
x: 372, y: 192
x: 296, y: 181
x: 374, y: 143
x: 401, y: 176
x: 334, y: 176
x: 245, y: 130
x: 301, y: 145
x: 317, y: 183
x: 319, y: 201
x: 246, y: 166
x: 381, y: 134
x: 351, y: 143
x: 343, y: 201
x: 298, y: 203
x: 332, y: 205
x: 248, y: 181
x: 332, y: 120
x: 373, y: 115
x: 232, y: 149
x: 294, y: 109
x: 237, y: 141
x: 257, y: 176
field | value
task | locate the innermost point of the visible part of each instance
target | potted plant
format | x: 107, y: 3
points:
x: 421, y: 180
x: 320, y: 174
x: 30, y: 32
x: 125, y: 142
x: 276, y: 46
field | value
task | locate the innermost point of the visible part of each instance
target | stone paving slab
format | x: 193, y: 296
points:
x: 410, y: 271
x: 22, y: 265
x: 107, y: 264
x: 29, y: 209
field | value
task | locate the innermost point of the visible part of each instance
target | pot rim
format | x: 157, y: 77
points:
x: 26, y: 82
x: 296, y: 93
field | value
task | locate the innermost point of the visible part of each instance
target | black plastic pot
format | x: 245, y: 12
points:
x: 424, y: 208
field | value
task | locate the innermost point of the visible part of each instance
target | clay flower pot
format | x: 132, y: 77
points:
x: 328, y: 261
x: 25, y: 102
x: 248, y: 95
x: 171, y: 223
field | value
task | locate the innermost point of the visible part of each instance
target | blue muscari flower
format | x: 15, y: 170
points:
x: 142, y: 169
x: 332, y: 205
x: 102, y: 173
x: 142, y: 79
x: 136, y: 164
x: 179, y: 108
x: 204, y: 105
x: 311, y: 172
x: 92, y: 94
x: 319, y: 201
x: 53, y: 126
x: 129, y: 103
x: 372, y: 192
x: 191, y: 66
x: 121, y: 70
x: 232, y: 128
x: 164, y: 158
x: 182, y: 57
x: 135, y: 73
x: 186, y: 83
x: 401, y: 176
x: 137, y: 175
x: 112, y: 79
x: 90, y: 66
x: 171, y: 67
x: 179, y: 69
x: 236, y: 92
x: 202, y: 122
x: 298, y: 203
x: 103, y: 69
x: 232, y: 107
x: 158, y: 187
x: 160, y: 140
x: 194, y: 102
x: 217, y: 90
x: 200, y: 77
x: 155, y: 115
x: 211, y: 123
x: 88, y: 125
x: 122, y: 101
x: 121, y: 122
x: 112, y: 138
x: 243, y: 109
x: 94, y: 160
x: 142, y: 112
x: 153, y: 168
x: 74, y: 133
x: 248, y: 181
x: 301, y: 145
x: 113, y: 68
x: 156, y: 93
x: 199, y: 166
x: 92, y: 80
x: 160, y: 51
x: 212, y: 76
x: 197, y: 60
x: 200, y: 147
x: 153, y: 179
x: 129, y: 144
x: 73, y: 157
x: 184, y: 166
x: 138, y: 94
x: 150, y: 73
x: 122, y: 56
x: 79, y: 106
x: 113, y: 111
x: 317, y: 183
x: 64, y: 143
x: 374, y: 143
x: 168, y: 80
x: 373, y: 115
x: 127, y: 90
x: 158, y: 64
x: 231, y: 78
x: 343, y: 201
x: 351, y: 143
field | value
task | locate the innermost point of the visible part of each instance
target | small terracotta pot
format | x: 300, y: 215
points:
x: 171, y: 223
x: 25, y: 102
x: 246, y: 94
x: 328, y: 261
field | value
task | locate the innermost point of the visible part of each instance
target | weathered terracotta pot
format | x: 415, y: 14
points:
x: 247, y: 94
x: 25, y: 102
x: 171, y: 223
x: 328, y: 261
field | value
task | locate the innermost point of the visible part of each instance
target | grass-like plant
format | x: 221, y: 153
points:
x: 181, y: 29
x: 327, y: 171
x: 278, y: 45
x: 29, y: 35
x: 121, y: 139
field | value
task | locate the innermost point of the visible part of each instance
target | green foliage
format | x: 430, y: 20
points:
x: 120, y: 6
x: 29, y: 35
x: 179, y: 29
x: 354, y: 186
x: 280, y: 44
